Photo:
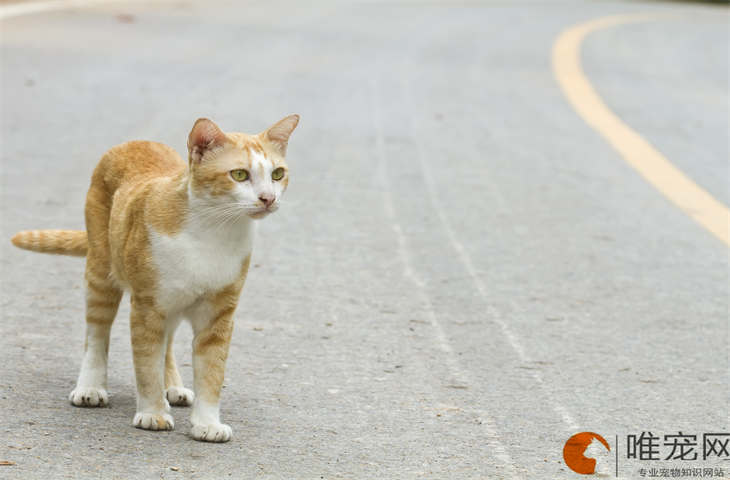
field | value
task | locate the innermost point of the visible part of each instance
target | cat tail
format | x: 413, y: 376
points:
x: 60, y: 242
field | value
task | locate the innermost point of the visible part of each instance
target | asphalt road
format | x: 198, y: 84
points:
x: 463, y: 273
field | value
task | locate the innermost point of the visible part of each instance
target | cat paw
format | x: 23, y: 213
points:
x: 215, y: 432
x: 180, y: 396
x: 89, y: 397
x: 153, y: 421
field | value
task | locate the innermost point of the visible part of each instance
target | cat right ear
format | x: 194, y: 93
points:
x: 204, y: 136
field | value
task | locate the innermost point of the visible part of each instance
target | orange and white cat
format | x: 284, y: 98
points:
x: 178, y: 236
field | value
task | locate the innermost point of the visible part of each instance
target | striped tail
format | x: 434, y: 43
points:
x: 60, y: 242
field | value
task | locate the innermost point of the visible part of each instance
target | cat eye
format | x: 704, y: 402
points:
x: 278, y: 173
x: 239, y: 175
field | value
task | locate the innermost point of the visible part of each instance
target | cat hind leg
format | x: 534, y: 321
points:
x: 175, y: 392
x: 102, y: 302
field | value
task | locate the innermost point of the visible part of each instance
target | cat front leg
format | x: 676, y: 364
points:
x: 149, y: 342
x: 212, y: 326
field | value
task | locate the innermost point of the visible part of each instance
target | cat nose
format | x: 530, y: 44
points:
x: 267, y: 199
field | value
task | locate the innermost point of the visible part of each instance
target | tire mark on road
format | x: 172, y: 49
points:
x: 465, y: 259
x: 637, y: 152
x: 409, y: 272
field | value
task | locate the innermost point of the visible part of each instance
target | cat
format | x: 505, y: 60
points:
x: 179, y: 238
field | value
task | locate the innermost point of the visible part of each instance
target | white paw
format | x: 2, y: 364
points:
x: 153, y: 421
x: 180, y: 396
x: 89, y: 397
x: 215, y: 432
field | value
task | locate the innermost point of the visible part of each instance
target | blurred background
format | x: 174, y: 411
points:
x: 463, y: 273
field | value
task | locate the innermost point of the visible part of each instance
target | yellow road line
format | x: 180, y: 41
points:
x: 636, y: 151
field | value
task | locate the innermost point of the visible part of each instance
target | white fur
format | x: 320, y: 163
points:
x: 90, y: 388
x: 180, y: 396
x: 153, y: 421
x: 261, y: 181
x: 206, y: 423
x: 198, y: 260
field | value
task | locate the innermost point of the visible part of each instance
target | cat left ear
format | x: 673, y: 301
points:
x: 204, y: 136
x: 278, y: 134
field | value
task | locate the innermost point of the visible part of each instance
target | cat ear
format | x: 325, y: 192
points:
x: 278, y: 134
x: 204, y: 135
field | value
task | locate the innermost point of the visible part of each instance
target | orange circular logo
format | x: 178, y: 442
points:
x: 574, y: 449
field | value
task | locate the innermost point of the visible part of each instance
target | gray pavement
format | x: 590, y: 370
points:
x: 463, y: 274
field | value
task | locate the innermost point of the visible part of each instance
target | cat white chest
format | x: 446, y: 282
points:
x: 198, y: 260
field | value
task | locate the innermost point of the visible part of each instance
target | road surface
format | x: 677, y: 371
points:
x: 463, y: 274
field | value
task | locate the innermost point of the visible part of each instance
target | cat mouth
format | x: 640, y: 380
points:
x: 263, y: 211
x: 260, y: 213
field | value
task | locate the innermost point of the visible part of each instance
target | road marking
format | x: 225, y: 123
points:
x: 637, y: 152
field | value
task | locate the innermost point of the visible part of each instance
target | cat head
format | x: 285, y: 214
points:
x: 240, y: 173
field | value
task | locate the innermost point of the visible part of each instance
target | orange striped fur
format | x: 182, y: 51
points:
x: 63, y: 242
x: 178, y: 236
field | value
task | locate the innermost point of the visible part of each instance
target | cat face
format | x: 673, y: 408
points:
x: 239, y: 174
